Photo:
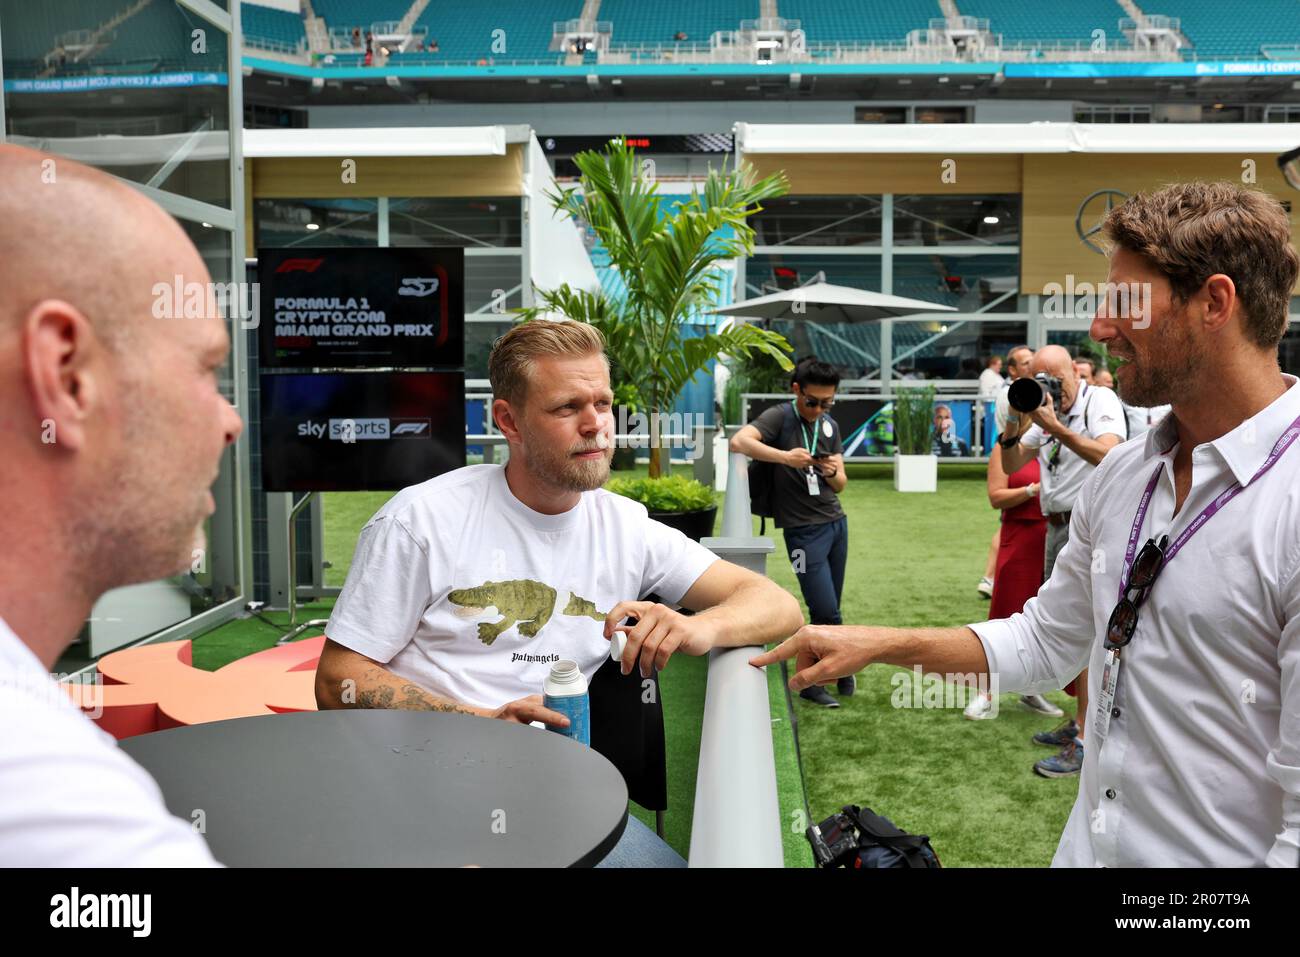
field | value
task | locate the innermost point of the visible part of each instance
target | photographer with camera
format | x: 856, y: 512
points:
x: 1068, y: 448
x: 1190, y: 618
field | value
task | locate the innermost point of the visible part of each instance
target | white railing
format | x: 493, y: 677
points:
x: 737, y: 818
x: 255, y: 42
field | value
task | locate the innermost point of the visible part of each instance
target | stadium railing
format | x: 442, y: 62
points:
x: 737, y: 817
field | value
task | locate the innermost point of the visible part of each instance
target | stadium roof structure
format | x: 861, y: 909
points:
x: 378, y: 141
x: 948, y: 138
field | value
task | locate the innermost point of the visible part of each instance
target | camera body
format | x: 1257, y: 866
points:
x: 858, y: 837
x: 834, y: 841
x: 1026, y: 395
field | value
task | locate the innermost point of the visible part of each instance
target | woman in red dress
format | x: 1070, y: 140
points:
x: 1023, y: 541
x: 1021, y: 547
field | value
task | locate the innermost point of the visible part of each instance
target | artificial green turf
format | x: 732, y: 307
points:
x: 914, y: 560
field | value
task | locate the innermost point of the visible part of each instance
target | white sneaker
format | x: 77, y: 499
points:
x: 985, y: 587
x: 1036, y: 702
x: 980, y: 708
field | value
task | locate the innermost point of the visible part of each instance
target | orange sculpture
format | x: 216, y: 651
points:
x: 155, y: 687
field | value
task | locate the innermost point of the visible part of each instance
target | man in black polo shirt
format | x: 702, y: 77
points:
x: 803, y: 442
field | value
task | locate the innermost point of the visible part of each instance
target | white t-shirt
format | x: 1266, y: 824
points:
x: 990, y: 382
x: 1096, y: 411
x: 462, y: 589
x: 69, y: 796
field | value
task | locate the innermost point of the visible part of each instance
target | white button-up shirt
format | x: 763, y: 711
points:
x: 69, y: 796
x: 1201, y: 763
x: 1096, y: 411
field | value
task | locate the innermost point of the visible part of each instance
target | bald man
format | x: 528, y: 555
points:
x: 112, y: 427
x: 1069, y: 445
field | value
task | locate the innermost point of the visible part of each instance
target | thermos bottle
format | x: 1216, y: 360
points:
x: 565, y: 691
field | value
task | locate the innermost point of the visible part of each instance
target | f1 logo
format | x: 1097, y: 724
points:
x: 409, y: 428
x: 299, y: 265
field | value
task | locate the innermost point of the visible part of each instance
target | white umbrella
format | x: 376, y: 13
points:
x: 825, y: 302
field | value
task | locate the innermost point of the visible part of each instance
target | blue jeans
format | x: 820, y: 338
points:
x: 821, y: 551
x: 641, y: 847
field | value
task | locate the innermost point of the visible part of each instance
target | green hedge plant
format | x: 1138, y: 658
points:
x: 671, y: 493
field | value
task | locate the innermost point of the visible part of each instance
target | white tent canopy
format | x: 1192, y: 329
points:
x: 826, y: 302
x: 957, y: 138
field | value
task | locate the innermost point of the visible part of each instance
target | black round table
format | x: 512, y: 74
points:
x: 387, y: 788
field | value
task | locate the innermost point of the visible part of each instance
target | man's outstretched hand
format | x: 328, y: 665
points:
x: 822, y: 653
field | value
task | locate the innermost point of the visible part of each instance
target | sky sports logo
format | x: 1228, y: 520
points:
x: 365, y: 430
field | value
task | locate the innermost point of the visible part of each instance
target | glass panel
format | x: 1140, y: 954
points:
x: 156, y: 82
x: 992, y: 220
x: 770, y: 271
x: 493, y: 283
x: 479, y: 337
x: 490, y: 221
x: 853, y: 348
x: 213, y: 245
x: 1072, y: 339
x: 951, y: 349
x: 316, y: 222
x: 215, y: 578
x: 942, y: 114
x: 818, y: 221
x: 968, y: 282
x: 880, y: 114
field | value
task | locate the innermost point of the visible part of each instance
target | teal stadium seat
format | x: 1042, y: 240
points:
x: 468, y: 32
x: 640, y: 21
x: 852, y: 21
x: 277, y: 29
x: 1222, y: 30
x: 1019, y: 21
x: 157, y: 38
x: 346, y: 14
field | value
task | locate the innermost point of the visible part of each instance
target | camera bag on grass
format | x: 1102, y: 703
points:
x: 859, y: 837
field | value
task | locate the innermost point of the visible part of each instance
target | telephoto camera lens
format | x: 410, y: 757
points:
x: 1026, y: 395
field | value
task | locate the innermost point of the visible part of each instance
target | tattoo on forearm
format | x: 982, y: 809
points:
x: 375, y: 698
x: 409, y: 697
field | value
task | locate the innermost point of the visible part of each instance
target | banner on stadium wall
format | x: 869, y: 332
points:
x: 1088, y: 70
x: 83, y: 84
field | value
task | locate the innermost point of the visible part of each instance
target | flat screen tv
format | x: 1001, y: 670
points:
x: 359, y: 307
x: 360, y: 431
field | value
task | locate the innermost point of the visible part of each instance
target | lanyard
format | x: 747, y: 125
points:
x: 811, y: 443
x: 1283, y: 443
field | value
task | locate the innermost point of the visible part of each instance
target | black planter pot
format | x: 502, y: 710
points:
x: 694, y: 525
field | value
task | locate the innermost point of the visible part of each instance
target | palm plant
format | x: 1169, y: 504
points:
x: 914, y: 420
x: 669, y: 263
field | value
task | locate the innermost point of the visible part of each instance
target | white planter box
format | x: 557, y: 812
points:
x: 916, y: 473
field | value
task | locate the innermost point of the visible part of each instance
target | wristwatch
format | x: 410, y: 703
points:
x: 1009, y: 443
